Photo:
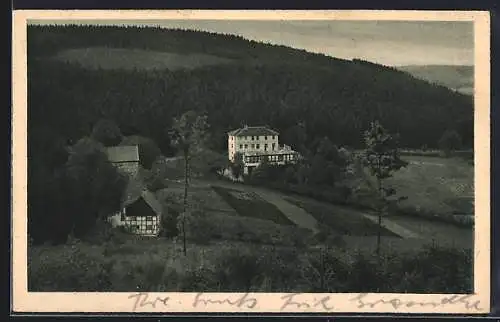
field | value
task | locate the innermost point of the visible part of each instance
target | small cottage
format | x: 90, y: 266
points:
x: 141, y: 212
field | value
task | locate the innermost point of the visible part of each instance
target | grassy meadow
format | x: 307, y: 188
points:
x: 126, y: 263
x: 237, y: 244
x: 436, y: 187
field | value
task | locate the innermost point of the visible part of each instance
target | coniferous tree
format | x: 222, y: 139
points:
x: 107, y: 133
x: 382, y: 158
x: 237, y: 165
x: 450, y: 142
x: 189, y: 134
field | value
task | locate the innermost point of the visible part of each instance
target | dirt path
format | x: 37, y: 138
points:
x: 415, y: 231
x: 442, y: 233
x: 393, y: 227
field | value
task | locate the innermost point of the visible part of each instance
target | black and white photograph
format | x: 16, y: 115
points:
x: 255, y: 156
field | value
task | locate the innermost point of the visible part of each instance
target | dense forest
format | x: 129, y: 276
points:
x: 304, y: 96
x: 308, y: 98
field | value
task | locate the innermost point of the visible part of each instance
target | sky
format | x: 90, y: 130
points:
x: 391, y: 43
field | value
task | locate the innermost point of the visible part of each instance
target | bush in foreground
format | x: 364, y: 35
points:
x: 245, y: 267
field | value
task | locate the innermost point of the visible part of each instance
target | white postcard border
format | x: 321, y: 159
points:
x: 24, y: 301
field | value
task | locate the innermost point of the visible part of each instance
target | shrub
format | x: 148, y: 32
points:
x: 157, y: 184
x: 279, y: 270
x: 85, y: 267
x: 169, y: 223
x: 238, y: 270
x: 199, y: 279
x: 322, y: 271
x: 432, y: 270
x: 147, y: 275
x: 107, y: 132
x: 196, y: 227
x: 68, y: 269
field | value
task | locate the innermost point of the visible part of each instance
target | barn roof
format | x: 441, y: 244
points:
x: 135, y: 190
x: 253, y: 131
x: 151, y: 200
x: 127, y: 153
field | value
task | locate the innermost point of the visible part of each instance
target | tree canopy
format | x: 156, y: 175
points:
x: 264, y: 85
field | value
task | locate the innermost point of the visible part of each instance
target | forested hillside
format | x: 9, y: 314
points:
x: 304, y: 96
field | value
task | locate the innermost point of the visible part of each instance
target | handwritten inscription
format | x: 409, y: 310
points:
x: 291, y: 301
x: 142, y: 300
x: 243, y: 301
x: 301, y: 301
x: 363, y: 300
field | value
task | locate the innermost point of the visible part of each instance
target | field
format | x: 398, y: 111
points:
x: 436, y: 185
x: 236, y: 249
x: 243, y: 238
x: 129, y: 59
x: 252, y: 221
x: 340, y: 219
x: 249, y: 204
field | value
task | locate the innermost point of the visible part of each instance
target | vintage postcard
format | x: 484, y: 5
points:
x: 251, y: 161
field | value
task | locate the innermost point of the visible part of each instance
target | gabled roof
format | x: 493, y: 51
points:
x: 151, y: 200
x: 135, y: 190
x: 253, y: 131
x: 127, y: 153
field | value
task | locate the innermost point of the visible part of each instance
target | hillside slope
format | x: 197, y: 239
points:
x: 304, y: 96
x: 120, y: 58
x: 458, y: 78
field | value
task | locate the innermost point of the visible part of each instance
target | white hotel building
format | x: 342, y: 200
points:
x: 256, y: 143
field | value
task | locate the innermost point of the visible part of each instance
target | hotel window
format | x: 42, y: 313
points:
x: 265, y: 146
x: 241, y: 146
x: 246, y: 146
x: 258, y: 146
x: 265, y: 137
x: 253, y: 138
x: 274, y: 144
x: 253, y: 146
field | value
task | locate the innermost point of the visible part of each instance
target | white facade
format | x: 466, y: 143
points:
x: 139, y: 225
x: 252, y: 144
x: 257, y: 143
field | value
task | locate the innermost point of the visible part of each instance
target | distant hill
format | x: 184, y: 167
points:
x: 143, y: 77
x: 458, y: 78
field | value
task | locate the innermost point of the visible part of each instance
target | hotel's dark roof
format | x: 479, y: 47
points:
x: 253, y: 131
